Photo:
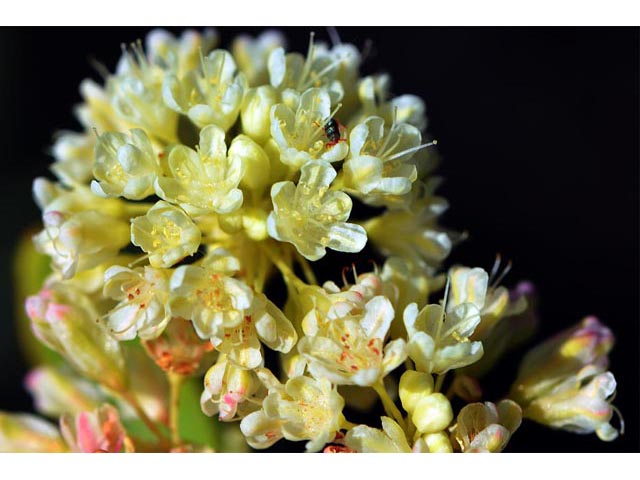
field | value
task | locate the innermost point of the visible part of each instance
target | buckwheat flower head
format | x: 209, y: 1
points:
x: 124, y: 166
x: 143, y: 295
x: 25, y: 433
x: 205, y: 181
x: 486, y: 427
x: 79, y: 241
x: 350, y: 350
x: 302, y: 409
x: 313, y: 217
x: 299, y: 130
x: 210, y: 96
x: 97, y: 431
x: 166, y: 233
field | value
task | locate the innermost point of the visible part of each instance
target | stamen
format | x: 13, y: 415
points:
x: 318, y: 76
x: 504, y: 273
x: 307, y: 63
x: 320, y: 128
x: 141, y: 259
x: 333, y: 35
x: 411, y: 150
x: 619, y: 413
x: 495, y: 268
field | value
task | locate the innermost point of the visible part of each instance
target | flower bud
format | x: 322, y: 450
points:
x: 486, y: 427
x: 432, y: 413
x: 255, y: 163
x: 24, y: 433
x: 433, y: 443
x: 255, y: 112
x: 98, y: 431
x: 413, y: 387
x: 65, y: 319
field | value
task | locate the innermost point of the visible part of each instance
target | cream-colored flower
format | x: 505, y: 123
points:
x: 124, y: 167
x: 179, y: 55
x: 97, y: 431
x: 302, y: 409
x: 143, y: 296
x: 25, y: 433
x: 209, y: 298
x: 350, y: 350
x: 486, y: 427
x: 252, y: 54
x: 391, y: 439
x: 213, y: 96
x: 166, y: 233
x: 379, y: 163
x: 205, y: 181
x: 79, y: 241
x: 311, y: 216
x: 73, y: 153
x: 412, y: 233
x: 255, y: 113
x: 299, y: 130
x: 136, y: 94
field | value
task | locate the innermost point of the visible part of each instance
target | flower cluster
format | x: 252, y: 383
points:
x: 205, y: 175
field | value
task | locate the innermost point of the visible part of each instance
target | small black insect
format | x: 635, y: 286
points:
x: 332, y: 131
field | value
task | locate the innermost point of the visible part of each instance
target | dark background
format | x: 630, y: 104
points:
x: 538, y: 130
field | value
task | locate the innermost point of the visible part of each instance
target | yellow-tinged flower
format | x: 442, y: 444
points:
x: 143, y: 295
x: 97, y: 431
x: 563, y: 382
x: 439, y: 335
x: 205, y: 181
x: 166, y: 233
x: 65, y: 319
x: 302, y: 409
x: 209, y: 298
x: 80, y: 241
x: 230, y: 391
x: 25, y: 433
x: 255, y: 163
x: 124, y: 166
x: 252, y: 54
x: 136, y: 94
x: 391, y: 439
x: 311, y: 216
x: 430, y: 411
x: 349, y: 350
x: 413, y: 233
x: 179, y: 55
x: 486, y: 427
x: 56, y: 391
x: 255, y: 112
x: 299, y: 130
x: 212, y: 96
x: 379, y: 163
x: 73, y: 153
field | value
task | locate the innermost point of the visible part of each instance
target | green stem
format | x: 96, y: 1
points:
x: 175, y: 385
x: 151, y: 425
x: 347, y: 425
x: 439, y: 382
x: 389, y: 407
x: 307, y: 270
x: 285, y: 269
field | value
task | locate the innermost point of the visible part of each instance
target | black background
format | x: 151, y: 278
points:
x: 538, y: 130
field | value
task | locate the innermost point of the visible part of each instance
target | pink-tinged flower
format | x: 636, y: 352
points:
x: 98, y: 431
x: 24, y: 433
x: 563, y: 383
x: 486, y: 427
x: 65, y: 319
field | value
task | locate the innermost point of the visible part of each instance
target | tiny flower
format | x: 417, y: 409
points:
x: 439, y: 336
x: 230, y: 391
x: 379, y: 163
x: 177, y: 349
x: 433, y: 443
x: 97, y: 431
x: 143, y: 295
x: 80, y: 241
x: 136, y: 95
x: 166, y: 233
x: 205, y: 181
x: 302, y: 409
x: 349, y: 350
x: 213, y: 96
x: 432, y: 413
x: 413, y: 233
x: 255, y: 163
x: 25, y: 433
x: 300, y: 134
x: 311, y: 216
x: 179, y: 55
x: 486, y: 427
x: 73, y: 153
x: 255, y: 113
x: 391, y: 439
x: 209, y: 298
x: 124, y: 167
x: 56, y: 391
x: 252, y: 54
x: 65, y: 319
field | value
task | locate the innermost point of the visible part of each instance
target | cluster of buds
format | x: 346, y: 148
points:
x: 204, y: 176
